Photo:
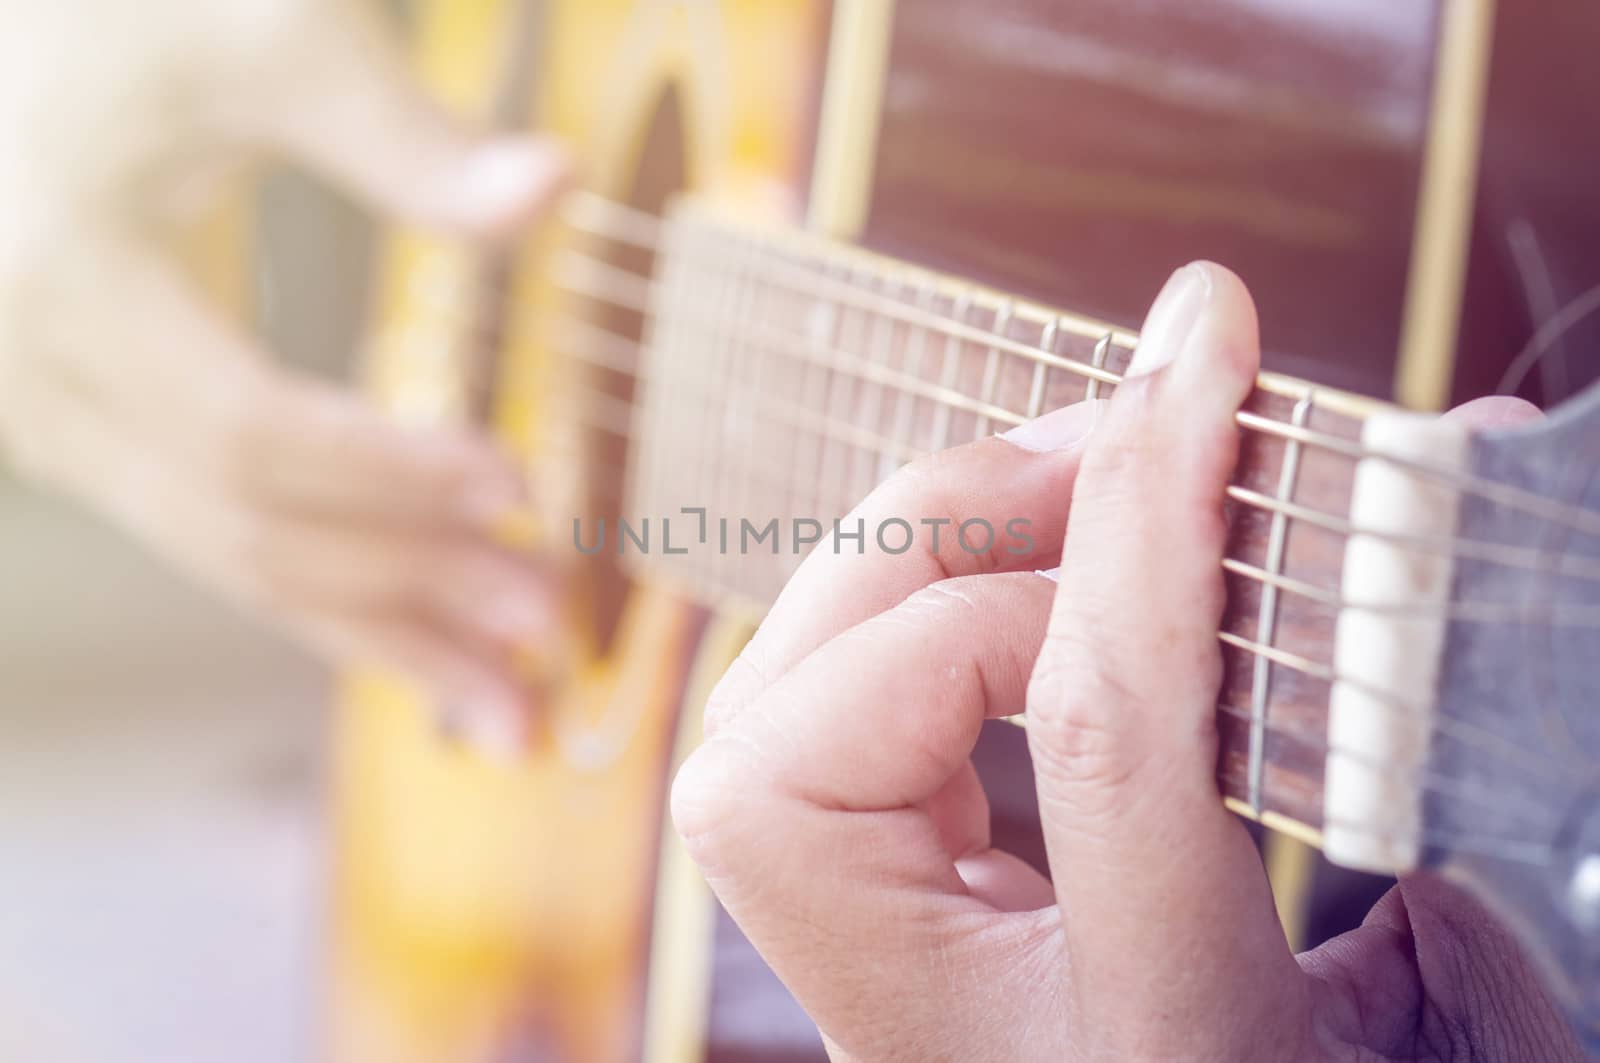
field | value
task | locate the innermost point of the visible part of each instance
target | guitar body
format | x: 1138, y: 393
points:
x: 487, y: 910
x: 1071, y: 153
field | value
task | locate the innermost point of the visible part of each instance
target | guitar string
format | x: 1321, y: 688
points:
x: 620, y: 352
x: 620, y: 223
x: 1451, y: 546
x: 639, y: 302
x: 1419, y: 774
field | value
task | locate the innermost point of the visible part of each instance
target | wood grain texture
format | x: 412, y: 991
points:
x: 1079, y: 152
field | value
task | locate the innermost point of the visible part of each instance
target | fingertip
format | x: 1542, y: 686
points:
x: 506, y: 183
x: 1496, y: 411
x: 1224, y: 348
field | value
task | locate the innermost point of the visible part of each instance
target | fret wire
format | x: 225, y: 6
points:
x: 991, y: 369
x: 916, y: 354
x: 1102, y: 350
x: 674, y: 469
x: 826, y: 478
x: 1267, y: 619
x: 836, y: 499
x: 871, y: 408
x: 792, y: 311
x: 661, y: 360
x: 846, y: 386
x: 947, y: 376
x: 719, y: 387
x: 1037, y: 385
x: 750, y: 358
x: 736, y: 355
x: 826, y: 315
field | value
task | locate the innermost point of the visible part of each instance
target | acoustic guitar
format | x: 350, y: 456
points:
x: 821, y: 239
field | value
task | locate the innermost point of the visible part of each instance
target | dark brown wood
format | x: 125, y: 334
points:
x: 1536, y: 238
x: 1078, y: 152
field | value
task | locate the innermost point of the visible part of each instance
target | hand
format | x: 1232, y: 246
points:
x: 835, y: 811
x: 120, y: 387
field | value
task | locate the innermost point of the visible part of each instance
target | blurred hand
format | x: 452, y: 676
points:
x: 120, y: 387
x: 836, y: 812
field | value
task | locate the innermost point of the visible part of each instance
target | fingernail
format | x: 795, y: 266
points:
x: 493, y: 733
x: 1056, y: 430
x: 501, y: 176
x: 1172, y: 317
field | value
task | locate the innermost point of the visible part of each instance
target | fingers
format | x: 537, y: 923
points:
x: 480, y: 699
x: 180, y: 379
x: 361, y: 538
x: 839, y: 804
x: 354, y: 113
x: 1121, y: 705
x: 1496, y: 411
x: 1017, y: 484
x: 307, y: 446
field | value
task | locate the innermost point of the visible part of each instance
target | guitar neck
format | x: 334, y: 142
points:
x: 784, y: 376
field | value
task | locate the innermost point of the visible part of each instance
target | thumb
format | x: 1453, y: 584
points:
x: 335, y: 95
x: 1166, y: 914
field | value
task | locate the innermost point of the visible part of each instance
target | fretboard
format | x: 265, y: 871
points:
x: 784, y: 376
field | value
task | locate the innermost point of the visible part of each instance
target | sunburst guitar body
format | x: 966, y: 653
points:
x: 492, y: 910
x: 1407, y: 188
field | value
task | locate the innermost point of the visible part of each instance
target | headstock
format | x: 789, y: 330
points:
x: 1511, y: 783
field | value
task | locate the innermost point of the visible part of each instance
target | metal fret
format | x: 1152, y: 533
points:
x: 1267, y: 617
x: 854, y: 395
x: 991, y: 368
x: 825, y: 324
x: 1102, y: 349
x: 742, y: 444
x: 1047, y: 342
x: 916, y: 353
x: 870, y: 408
x: 947, y: 377
x: 719, y: 388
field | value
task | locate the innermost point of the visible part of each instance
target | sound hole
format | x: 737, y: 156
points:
x: 605, y: 395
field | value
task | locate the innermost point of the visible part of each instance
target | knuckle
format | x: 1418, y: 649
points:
x: 744, y: 678
x: 1077, y: 708
x: 714, y: 798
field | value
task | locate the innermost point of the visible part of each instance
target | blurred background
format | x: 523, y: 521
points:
x: 163, y: 758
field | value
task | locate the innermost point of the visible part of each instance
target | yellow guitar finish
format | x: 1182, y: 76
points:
x: 484, y: 908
